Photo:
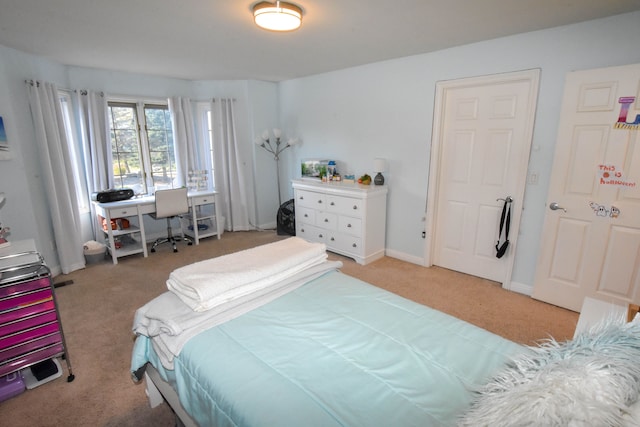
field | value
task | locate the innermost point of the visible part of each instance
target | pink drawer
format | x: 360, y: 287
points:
x: 24, y: 336
x: 29, y: 359
x: 13, y: 315
x: 6, y: 354
x: 25, y: 299
x: 27, y: 322
x: 13, y: 289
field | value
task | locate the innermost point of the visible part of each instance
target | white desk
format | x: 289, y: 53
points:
x: 137, y: 207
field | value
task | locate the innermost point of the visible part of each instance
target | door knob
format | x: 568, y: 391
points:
x: 554, y: 206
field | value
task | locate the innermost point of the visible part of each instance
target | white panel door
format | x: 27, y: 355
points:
x: 591, y: 237
x: 482, y: 157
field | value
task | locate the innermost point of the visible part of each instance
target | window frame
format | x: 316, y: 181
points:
x: 146, y: 163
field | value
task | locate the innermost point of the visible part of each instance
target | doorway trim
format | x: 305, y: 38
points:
x: 533, y: 76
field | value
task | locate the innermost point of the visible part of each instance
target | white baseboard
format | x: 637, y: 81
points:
x: 521, y: 288
x: 404, y: 257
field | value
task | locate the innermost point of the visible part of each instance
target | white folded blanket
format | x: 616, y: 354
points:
x: 206, y: 284
x: 170, y: 323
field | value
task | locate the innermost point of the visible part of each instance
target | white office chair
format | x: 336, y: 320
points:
x: 169, y: 204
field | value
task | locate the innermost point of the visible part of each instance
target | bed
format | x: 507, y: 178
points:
x: 319, y: 348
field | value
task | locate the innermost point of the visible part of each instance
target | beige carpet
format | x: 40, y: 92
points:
x: 97, y: 312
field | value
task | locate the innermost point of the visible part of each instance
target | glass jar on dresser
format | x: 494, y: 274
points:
x: 349, y: 218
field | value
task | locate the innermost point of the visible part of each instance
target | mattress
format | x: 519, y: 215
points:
x: 334, y: 352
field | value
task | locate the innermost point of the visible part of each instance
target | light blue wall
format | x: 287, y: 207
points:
x: 386, y: 110
x: 378, y: 110
x: 25, y: 210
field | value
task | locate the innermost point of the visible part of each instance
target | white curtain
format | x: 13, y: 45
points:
x: 187, y: 156
x: 228, y: 167
x: 96, y: 146
x: 57, y: 173
x: 96, y: 142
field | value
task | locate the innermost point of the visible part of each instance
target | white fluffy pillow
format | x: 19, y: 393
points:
x: 592, y: 380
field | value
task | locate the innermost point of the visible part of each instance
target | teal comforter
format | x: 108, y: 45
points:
x: 334, y: 352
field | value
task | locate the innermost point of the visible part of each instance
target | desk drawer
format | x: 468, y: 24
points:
x: 120, y: 212
x: 202, y: 200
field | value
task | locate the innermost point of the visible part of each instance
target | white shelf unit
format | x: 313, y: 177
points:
x: 124, y: 241
x: 204, y: 218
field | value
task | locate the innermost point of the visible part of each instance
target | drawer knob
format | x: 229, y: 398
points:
x: 124, y: 212
x: 301, y: 197
x: 348, y: 225
x: 306, y: 215
x: 333, y: 204
x: 320, y: 235
x: 333, y: 240
x: 302, y: 230
x: 354, y: 245
x: 326, y: 220
x: 319, y: 201
x: 355, y: 207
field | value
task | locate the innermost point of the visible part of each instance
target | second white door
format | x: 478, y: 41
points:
x: 480, y: 152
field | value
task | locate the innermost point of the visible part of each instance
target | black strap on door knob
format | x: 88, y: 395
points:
x: 505, y: 221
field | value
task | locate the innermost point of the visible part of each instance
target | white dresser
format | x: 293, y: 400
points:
x: 349, y: 218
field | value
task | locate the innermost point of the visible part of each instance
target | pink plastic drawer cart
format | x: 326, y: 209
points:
x: 30, y: 326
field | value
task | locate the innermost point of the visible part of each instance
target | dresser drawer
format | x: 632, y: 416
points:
x: 327, y: 220
x: 311, y: 233
x: 23, y: 300
x: 345, y: 205
x: 349, y: 225
x: 13, y: 289
x: 305, y: 215
x: 345, y: 243
x: 310, y: 199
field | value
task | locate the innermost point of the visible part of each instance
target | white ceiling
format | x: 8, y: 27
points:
x: 217, y: 39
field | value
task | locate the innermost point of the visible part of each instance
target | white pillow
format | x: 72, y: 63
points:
x: 593, y: 380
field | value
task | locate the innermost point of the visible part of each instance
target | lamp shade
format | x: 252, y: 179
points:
x: 379, y: 165
x: 278, y: 16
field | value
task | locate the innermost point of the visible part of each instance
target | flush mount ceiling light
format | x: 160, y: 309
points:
x: 278, y: 16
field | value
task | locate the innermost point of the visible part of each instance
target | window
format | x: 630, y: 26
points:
x: 142, y: 146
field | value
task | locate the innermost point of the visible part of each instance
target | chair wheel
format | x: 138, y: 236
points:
x: 153, y: 249
x: 190, y: 243
x: 175, y: 250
